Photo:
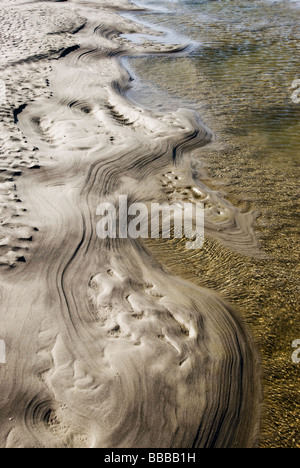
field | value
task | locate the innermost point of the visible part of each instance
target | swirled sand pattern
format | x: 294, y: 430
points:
x: 105, y: 348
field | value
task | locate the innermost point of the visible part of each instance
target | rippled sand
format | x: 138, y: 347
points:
x: 240, y: 81
x: 105, y: 348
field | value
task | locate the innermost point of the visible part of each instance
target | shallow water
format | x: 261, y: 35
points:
x: 239, y: 78
x: 244, y: 66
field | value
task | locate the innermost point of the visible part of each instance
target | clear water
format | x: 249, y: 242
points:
x: 244, y: 67
x: 238, y: 76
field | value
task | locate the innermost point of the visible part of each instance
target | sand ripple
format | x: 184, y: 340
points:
x: 106, y: 349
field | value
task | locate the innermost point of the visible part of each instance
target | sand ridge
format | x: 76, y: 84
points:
x: 105, y: 348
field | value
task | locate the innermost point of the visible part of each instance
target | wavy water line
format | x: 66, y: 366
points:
x: 128, y: 356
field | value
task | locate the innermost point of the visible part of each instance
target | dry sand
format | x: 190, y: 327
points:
x: 104, y: 347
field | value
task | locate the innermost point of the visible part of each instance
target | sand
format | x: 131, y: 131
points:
x: 104, y: 348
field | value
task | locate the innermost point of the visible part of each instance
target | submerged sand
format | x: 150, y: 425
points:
x: 104, y: 347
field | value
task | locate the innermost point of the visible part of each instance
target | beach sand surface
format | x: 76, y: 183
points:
x: 104, y: 347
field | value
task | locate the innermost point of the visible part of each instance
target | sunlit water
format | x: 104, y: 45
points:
x: 238, y: 75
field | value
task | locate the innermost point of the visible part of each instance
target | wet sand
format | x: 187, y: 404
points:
x: 240, y: 82
x: 105, y: 348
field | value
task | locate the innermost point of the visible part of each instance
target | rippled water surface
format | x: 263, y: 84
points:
x: 238, y: 75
